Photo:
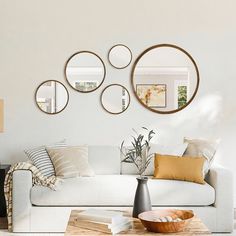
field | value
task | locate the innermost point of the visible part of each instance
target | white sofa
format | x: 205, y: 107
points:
x: 39, y: 209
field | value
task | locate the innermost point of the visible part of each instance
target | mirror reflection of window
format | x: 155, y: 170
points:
x: 182, y: 96
x: 181, y: 93
x: 46, y: 97
x: 51, y: 97
x: 85, y: 71
x: 115, y: 99
x: 86, y: 85
x: 124, y: 99
x: 165, y: 78
x: 45, y: 104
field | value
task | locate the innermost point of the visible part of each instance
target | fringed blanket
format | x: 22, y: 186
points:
x: 37, y: 179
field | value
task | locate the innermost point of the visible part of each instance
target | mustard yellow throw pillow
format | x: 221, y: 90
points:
x: 179, y: 168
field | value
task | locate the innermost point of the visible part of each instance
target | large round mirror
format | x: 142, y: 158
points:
x: 115, y: 98
x: 165, y: 78
x: 120, y: 56
x: 51, y: 97
x: 85, y: 71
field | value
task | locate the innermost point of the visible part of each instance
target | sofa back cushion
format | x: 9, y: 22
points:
x: 104, y: 160
x: 129, y: 168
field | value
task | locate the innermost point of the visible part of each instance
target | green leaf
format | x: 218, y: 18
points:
x: 127, y: 160
x: 138, y: 153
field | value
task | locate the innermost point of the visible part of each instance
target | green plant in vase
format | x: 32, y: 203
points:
x: 139, y: 153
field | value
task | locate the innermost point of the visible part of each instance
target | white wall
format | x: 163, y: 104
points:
x: 37, y: 37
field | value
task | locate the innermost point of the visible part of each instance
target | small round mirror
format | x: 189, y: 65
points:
x: 115, y: 98
x: 165, y: 78
x: 51, y: 97
x: 85, y: 71
x: 120, y: 56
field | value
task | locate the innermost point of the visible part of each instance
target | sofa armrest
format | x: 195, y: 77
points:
x: 221, y: 180
x: 21, y: 203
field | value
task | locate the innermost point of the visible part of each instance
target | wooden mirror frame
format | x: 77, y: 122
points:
x: 35, y: 96
x: 131, y: 56
x: 104, y: 67
x: 158, y: 46
x: 114, y: 113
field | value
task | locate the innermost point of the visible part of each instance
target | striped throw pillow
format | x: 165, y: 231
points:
x: 40, y: 158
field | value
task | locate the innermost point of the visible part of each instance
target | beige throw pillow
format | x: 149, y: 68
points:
x: 202, y: 148
x: 77, y: 157
x: 63, y: 167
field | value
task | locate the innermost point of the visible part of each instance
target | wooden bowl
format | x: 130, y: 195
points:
x: 149, y: 220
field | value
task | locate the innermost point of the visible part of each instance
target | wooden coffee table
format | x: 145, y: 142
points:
x: 196, y: 227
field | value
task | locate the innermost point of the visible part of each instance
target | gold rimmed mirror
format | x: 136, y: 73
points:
x: 120, y: 56
x: 51, y: 97
x: 115, y: 99
x: 165, y: 78
x: 85, y: 71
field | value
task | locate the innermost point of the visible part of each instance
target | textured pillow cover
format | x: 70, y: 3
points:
x: 77, y: 157
x: 41, y: 159
x: 63, y: 167
x: 60, y: 144
x: 179, y: 168
x: 202, y: 148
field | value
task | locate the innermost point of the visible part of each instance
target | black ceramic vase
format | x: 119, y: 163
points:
x: 142, y: 200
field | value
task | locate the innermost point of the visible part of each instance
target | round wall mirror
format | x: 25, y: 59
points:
x: 165, y: 78
x: 120, y: 56
x: 85, y: 71
x: 51, y: 97
x: 115, y: 98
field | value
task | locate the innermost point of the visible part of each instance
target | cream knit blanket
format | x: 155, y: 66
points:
x: 37, y: 179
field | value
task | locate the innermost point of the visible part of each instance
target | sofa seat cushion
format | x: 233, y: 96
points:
x: 119, y: 190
